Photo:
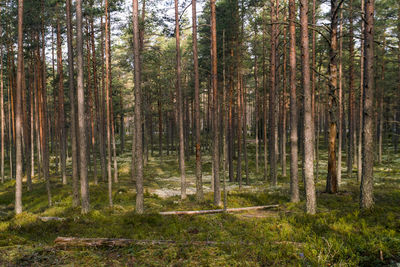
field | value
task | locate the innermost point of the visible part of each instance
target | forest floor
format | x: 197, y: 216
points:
x: 338, y: 235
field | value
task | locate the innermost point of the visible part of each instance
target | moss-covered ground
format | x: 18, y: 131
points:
x: 340, y: 234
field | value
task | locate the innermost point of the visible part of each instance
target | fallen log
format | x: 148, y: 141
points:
x: 194, y: 212
x: 122, y: 242
x: 47, y: 219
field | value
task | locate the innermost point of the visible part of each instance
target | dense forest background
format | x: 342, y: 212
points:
x: 111, y: 109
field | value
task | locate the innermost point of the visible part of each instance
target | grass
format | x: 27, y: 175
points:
x: 340, y: 234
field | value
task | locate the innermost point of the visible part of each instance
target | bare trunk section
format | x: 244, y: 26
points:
x: 272, y: 94
x: 381, y: 95
x: 108, y: 104
x: 256, y: 109
x: 311, y: 204
x: 284, y: 103
x: 265, y: 99
x: 138, y: 116
x: 81, y: 113
x: 367, y: 179
x: 333, y: 105
x: 71, y: 81
x: 61, y: 119
x: 351, y: 118
x: 340, y: 97
x: 179, y: 104
x: 18, y: 115
x: 2, y: 116
x: 91, y: 107
x: 214, y: 77
x: 43, y: 114
x: 199, y: 181
x: 361, y: 100
x: 294, y: 165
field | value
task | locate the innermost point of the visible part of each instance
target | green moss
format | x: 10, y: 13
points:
x: 338, y: 235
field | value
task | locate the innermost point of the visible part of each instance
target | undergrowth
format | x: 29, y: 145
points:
x: 340, y: 234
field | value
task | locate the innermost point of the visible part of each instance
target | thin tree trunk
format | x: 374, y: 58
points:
x: 361, y: 114
x: 351, y: 117
x: 294, y: 166
x: 98, y: 128
x: 138, y: 116
x: 313, y: 73
x: 311, y: 204
x: 381, y: 96
x: 332, y: 180
x: 90, y: 107
x: 60, y: 73
x: 199, y: 180
x: 239, y: 128
x: 340, y: 97
x: 225, y: 122
x: 108, y: 104
x: 2, y: 116
x: 256, y: 111
x: 32, y: 122
x: 114, y: 148
x: 81, y: 113
x: 244, y: 105
x: 265, y: 100
x: 18, y: 115
x: 44, y: 117
x: 179, y: 104
x: 26, y: 130
x: 284, y: 106
x: 272, y: 93
x: 71, y: 81
x: 367, y: 182
x: 214, y: 75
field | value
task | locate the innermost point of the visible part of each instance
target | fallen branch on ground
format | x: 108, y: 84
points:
x: 47, y: 219
x: 122, y: 242
x: 193, y: 212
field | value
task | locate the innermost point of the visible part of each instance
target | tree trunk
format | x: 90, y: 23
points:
x: 284, y: 106
x: 138, y: 116
x: 90, y: 107
x: 2, y: 116
x: 256, y: 109
x: 294, y: 165
x: 239, y: 128
x: 81, y: 113
x: 272, y: 93
x: 340, y: 97
x: 18, y: 115
x: 351, y: 122
x: 71, y: 81
x: 44, y: 117
x: 179, y: 104
x: 112, y: 127
x: 108, y: 104
x: 307, y: 105
x: 367, y: 182
x: 331, y: 180
x: 214, y: 78
x: 98, y: 128
x: 199, y: 180
x: 265, y: 99
x: 61, y: 123
x: 361, y: 114
x: 381, y: 96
